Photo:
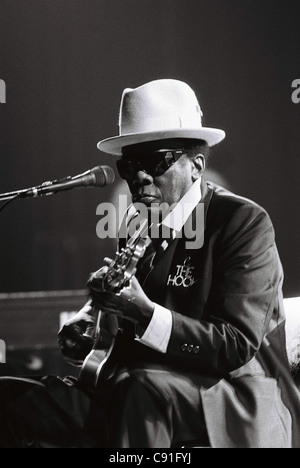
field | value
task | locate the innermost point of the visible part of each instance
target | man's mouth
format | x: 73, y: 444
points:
x: 144, y: 198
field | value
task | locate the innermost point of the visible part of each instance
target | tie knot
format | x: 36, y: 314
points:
x: 155, y: 242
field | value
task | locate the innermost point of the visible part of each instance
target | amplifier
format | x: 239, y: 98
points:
x: 29, y: 323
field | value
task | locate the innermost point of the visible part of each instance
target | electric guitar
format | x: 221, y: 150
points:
x: 117, y: 277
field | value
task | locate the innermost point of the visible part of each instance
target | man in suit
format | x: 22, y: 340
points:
x: 199, y: 352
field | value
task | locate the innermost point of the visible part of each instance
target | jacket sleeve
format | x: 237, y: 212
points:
x: 246, y: 276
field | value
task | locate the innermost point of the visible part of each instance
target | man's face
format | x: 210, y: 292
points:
x: 168, y: 187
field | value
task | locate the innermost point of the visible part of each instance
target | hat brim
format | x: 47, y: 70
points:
x: 114, y: 145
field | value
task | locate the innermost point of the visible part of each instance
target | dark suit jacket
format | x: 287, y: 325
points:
x: 229, y: 324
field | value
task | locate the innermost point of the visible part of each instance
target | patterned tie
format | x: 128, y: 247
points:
x: 145, y: 265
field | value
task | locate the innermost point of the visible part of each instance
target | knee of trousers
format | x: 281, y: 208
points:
x: 134, y: 383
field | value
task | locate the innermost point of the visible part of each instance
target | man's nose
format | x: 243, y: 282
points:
x: 143, y: 178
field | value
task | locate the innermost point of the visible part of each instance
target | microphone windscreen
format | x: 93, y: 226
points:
x: 104, y: 175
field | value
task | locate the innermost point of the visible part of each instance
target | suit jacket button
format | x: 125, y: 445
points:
x: 184, y: 347
x: 196, y: 349
x: 190, y: 348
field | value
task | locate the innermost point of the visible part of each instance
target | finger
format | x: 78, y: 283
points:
x: 71, y: 335
x: 70, y: 343
x: 75, y: 350
x: 126, y: 293
x: 100, y: 273
x: 107, y: 261
x: 134, y: 282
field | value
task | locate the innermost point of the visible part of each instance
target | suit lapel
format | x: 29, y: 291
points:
x: 165, y: 258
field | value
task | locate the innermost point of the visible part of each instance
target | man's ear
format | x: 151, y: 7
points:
x: 199, y: 166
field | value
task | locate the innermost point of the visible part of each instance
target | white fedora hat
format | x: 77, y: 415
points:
x: 159, y: 110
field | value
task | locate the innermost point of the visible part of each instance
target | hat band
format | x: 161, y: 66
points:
x: 161, y: 123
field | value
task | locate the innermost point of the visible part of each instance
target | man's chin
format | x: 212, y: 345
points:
x: 153, y: 206
x: 146, y: 200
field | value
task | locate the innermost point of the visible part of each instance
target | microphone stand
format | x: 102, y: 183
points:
x: 98, y: 176
x: 12, y: 198
x: 44, y: 189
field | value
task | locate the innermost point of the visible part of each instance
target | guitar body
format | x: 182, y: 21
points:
x: 118, y: 277
x: 94, y: 365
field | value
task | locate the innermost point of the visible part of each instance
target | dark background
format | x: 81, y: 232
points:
x: 66, y: 63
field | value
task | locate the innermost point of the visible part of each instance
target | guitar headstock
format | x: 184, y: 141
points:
x: 123, y: 267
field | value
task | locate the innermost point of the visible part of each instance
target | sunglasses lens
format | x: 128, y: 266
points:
x: 127, y: 169
x: 154, y: 164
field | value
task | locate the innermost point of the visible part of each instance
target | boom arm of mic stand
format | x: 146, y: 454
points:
x: 10, y: 196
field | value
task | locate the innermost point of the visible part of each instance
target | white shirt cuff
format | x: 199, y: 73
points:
x: 158, y: 332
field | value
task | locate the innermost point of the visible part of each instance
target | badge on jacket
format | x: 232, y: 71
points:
x: 183, y: 276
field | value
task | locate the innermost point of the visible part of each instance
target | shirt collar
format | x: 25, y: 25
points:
x: 176, y: 219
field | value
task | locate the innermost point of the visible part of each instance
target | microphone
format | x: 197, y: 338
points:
x: 99, y: 176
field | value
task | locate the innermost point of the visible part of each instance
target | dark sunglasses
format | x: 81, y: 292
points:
x: 155, y: 163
